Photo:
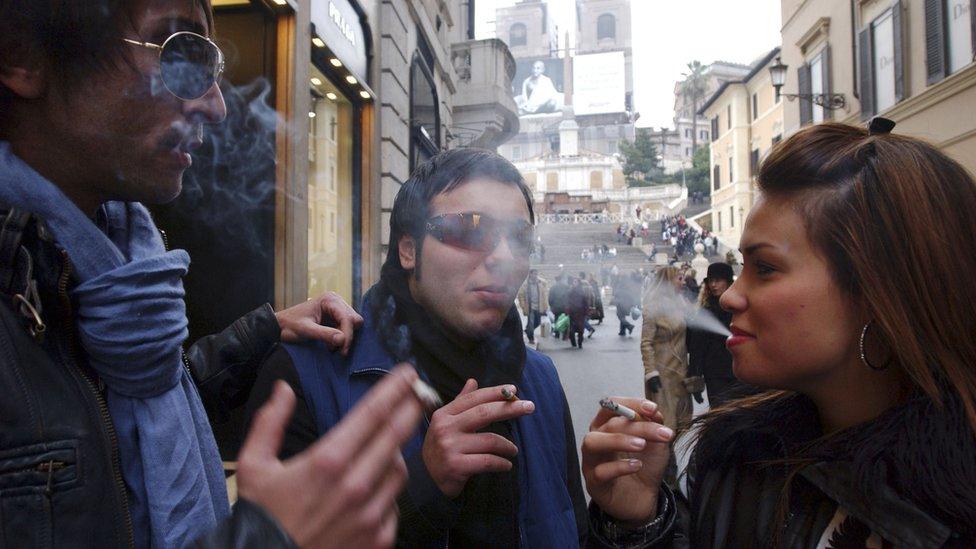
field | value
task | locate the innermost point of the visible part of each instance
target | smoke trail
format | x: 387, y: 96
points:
x: 662, y: 299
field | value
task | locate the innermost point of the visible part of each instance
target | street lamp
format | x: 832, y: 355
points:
x: 829, y: 101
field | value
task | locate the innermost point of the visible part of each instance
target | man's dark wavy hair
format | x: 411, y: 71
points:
x: 443, y: 173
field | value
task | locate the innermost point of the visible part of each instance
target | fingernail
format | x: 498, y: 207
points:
x: 634, y: 463
x: 637, y: 442
x: 665, y: 432
x: 648, y: 406
x: 528, y: 405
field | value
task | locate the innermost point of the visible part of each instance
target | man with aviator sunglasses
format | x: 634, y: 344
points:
x: 105, y: 435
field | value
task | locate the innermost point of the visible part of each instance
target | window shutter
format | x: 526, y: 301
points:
x: 753, y: 162
x: 935, y: 60
x: 806, y: 107
x: 899, y: 65
x: 716, y: 177
x: 866, y: 70
x: 825, y: 78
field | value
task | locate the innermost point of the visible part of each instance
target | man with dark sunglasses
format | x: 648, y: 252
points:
x: 497, y: 464
x: 104, y: 432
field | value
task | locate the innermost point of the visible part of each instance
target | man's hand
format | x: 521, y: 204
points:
x: 341, y: 491
x: 624, y: 461
x: 307, y: 321
x: 453, y: 451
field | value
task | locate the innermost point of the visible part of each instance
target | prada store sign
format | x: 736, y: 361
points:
x: 338, y: 24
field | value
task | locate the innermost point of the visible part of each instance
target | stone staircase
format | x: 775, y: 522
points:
x: 565, y: 241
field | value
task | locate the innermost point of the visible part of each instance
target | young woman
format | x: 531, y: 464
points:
x: 663, y: 349
x: 866, y: 434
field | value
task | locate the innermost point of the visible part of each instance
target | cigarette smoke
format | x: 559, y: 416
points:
x: 662, y: 299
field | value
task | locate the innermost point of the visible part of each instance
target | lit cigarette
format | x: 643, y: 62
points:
x: 508, y: 395
x: 618, y: 409
x: 426, y: 394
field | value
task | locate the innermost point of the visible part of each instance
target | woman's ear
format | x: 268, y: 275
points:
x: 408, y: 252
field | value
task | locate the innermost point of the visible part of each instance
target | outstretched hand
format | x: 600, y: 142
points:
x: 341, y: 491
x: 309, y: 320
x: 624, y: 461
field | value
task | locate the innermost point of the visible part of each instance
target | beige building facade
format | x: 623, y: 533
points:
x: 746, y: 119
x: 907, y: 60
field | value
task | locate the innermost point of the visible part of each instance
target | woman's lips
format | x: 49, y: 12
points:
x: 738, y: 337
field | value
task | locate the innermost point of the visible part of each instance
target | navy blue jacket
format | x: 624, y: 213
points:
x: 331, y: 384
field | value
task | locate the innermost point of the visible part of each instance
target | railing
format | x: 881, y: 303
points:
x: 659, y: 192
x: 584, y: 218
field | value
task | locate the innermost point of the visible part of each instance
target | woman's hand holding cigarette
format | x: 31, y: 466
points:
x: 624, y: 460
x: 454, y: 451
x: 341, y: 491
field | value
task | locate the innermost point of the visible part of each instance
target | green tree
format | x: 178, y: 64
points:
x: 641, y: 164
x: 698, y: 177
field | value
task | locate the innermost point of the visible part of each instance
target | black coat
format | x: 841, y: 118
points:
x: 710, y: 358
x: 60, y: 477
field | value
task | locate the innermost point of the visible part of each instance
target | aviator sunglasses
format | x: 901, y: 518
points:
x: 189, y: 64
x: 479, y: 232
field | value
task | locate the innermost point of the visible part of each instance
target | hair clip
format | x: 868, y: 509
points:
x: 879, y: 125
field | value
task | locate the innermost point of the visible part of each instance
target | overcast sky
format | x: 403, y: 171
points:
x: 670, y: 33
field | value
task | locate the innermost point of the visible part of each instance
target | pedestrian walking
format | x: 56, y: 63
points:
x: 577, y: 307
x: 533, y: 299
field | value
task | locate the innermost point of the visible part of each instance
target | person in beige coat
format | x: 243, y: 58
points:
x: 533, y: 299
x: 663, y: 347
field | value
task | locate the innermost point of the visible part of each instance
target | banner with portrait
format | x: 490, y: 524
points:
x: 538, y: 86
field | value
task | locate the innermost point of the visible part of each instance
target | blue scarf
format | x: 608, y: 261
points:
x: 132, y: 322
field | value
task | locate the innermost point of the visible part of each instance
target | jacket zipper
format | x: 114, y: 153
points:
x: 69, y: 328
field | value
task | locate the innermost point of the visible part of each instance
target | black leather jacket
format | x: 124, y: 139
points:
x: 60, y: 478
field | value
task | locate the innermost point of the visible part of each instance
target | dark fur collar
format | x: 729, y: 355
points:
x: 925, y: 452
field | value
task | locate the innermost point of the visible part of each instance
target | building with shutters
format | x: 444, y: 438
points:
x: 907, y: 60
x: 745, y: 117
x: 692, y: 132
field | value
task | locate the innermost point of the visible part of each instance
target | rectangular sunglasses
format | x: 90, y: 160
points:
x: 189, y: 64
x: 479, y: 232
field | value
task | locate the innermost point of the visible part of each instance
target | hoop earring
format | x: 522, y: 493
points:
x: 864, y: 356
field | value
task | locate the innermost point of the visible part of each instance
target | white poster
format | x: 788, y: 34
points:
x: 960, y: 34
x: 598, y: 83
x: 884, y: 63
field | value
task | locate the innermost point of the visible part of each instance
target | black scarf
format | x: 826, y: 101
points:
x: 489, y: 502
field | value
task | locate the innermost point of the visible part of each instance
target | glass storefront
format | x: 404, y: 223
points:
x: 330, y: 189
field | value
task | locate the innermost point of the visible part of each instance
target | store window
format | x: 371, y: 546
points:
x: 606, y: 27
x: 814, y: 78
x: 949, y: 41
x: 331, y: 219
x: 424, y: 115
x: 959, y: 25
x: 883, y: 62
x: 517, y: 35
